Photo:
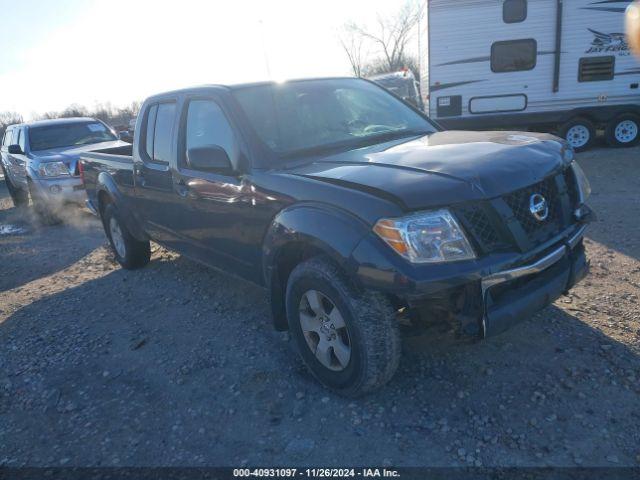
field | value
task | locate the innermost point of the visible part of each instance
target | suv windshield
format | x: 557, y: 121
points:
x: 68, y: 135
x: 309, y: 116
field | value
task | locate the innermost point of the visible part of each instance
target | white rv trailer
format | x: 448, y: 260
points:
x: 549, y: 65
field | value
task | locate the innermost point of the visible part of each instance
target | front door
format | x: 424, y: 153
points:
x: 218, y: 203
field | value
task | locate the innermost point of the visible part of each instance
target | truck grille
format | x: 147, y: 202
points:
x: 476, y: 221
x: 519, y: 202
x: 490, y: 224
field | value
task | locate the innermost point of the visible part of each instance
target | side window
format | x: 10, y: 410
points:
x: 14, y: 136
x: 5, y: 138
x: 208, y: 125
x: 596, y: 69
x: 150, y: 129
x: 514, y: 55
x: 514, y: 11
x: 162, y: 140
x: 21, y: 139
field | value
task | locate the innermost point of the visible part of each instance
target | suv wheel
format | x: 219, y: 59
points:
x: 349, y: 339
x: 580, y: 133
x: 623, y: 131
x: 19, y: 197
x: 129, y: 252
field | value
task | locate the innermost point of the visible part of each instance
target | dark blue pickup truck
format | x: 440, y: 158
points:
x: 356, y: 212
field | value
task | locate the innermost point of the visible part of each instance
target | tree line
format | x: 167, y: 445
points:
x: 113, y: 116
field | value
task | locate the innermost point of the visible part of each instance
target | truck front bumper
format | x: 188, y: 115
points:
x: 59, y: 191
x: 486, y: 296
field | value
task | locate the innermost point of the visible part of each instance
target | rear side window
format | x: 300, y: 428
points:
x: 514, y: 11
x: 158, y: 132
x: 208, y: 125
x: 162, y: 139
x: 514, y: 55
x: 596, y: 69
x: 151, y: 126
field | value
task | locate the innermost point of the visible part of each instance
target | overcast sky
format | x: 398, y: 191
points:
x: 54, y: 53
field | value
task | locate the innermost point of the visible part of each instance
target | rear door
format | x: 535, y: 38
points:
x: 155, y: 201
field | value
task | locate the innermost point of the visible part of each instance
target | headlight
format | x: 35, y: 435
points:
x: 429, y: 237
x: 53, y: 169
x: 584, y: 187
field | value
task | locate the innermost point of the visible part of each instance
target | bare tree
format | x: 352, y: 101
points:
x: 352, y: 44
x: 390, y: 36
x: 8, y: 118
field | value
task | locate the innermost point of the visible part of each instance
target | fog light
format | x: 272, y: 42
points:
x: 55, y: 189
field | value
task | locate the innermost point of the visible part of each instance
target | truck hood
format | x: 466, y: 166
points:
x: 71, y: 155
x: 444, y: 167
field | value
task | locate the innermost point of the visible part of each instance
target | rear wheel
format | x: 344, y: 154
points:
x: 623, y: 131
x: 580, y: 133
x: 349, y: 339
x: 129, y: 252
x: 18, y: 195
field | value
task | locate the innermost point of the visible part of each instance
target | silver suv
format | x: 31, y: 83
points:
x: 40, y: 161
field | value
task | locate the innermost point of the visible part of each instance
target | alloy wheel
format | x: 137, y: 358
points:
x: 325, y: 330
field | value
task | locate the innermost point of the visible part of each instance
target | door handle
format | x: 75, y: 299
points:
x: 182, y: 188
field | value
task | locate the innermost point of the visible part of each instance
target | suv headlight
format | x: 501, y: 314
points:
x: 428, y: 237
x: 53, y: 169
x: 584, y: 187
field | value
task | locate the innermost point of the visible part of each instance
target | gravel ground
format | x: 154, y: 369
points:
x: 177, y: 365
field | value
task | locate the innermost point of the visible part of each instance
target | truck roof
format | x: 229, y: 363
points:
x: 234, y: 86
x: 55, y: 121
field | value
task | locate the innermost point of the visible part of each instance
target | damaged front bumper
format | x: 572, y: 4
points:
x: 483, y: 297
x: 513, y: 295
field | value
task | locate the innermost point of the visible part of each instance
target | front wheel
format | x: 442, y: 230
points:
x: 349, y: 339
x: 623, y: 131
x: 130, y: 253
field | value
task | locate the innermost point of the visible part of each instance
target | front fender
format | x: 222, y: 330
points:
x: 105, y: 183
x: 318, y: 228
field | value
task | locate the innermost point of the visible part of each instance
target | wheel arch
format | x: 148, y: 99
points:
x: 107, y: 192
x: 302, y: 232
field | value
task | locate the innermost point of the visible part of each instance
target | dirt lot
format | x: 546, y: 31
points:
x: 179, y: 365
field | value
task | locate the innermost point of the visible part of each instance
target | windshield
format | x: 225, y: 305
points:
x: 307, y: 116
x: 68, y: 135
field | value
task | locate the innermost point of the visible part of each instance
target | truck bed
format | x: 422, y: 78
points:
x: 117, y: 165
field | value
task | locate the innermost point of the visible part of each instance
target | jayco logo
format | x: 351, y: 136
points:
x: 608, y: 43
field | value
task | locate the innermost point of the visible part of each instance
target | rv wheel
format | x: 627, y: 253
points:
x: 623, y: 131
x: 579, y: 132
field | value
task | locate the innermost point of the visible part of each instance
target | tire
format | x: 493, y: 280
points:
x: 44, y: 213
x: 18, y: 195
x: 129, y: 252
x: 369, y: 329
x: 580, y: 133
x: 623, y: 131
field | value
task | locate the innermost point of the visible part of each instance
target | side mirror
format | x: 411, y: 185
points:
x: 211, y: 158
x: 15, y: 150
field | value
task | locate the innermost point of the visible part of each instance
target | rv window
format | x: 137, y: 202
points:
x: 596, y: 69
x: 514, y: 11
x: 514, y: 55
